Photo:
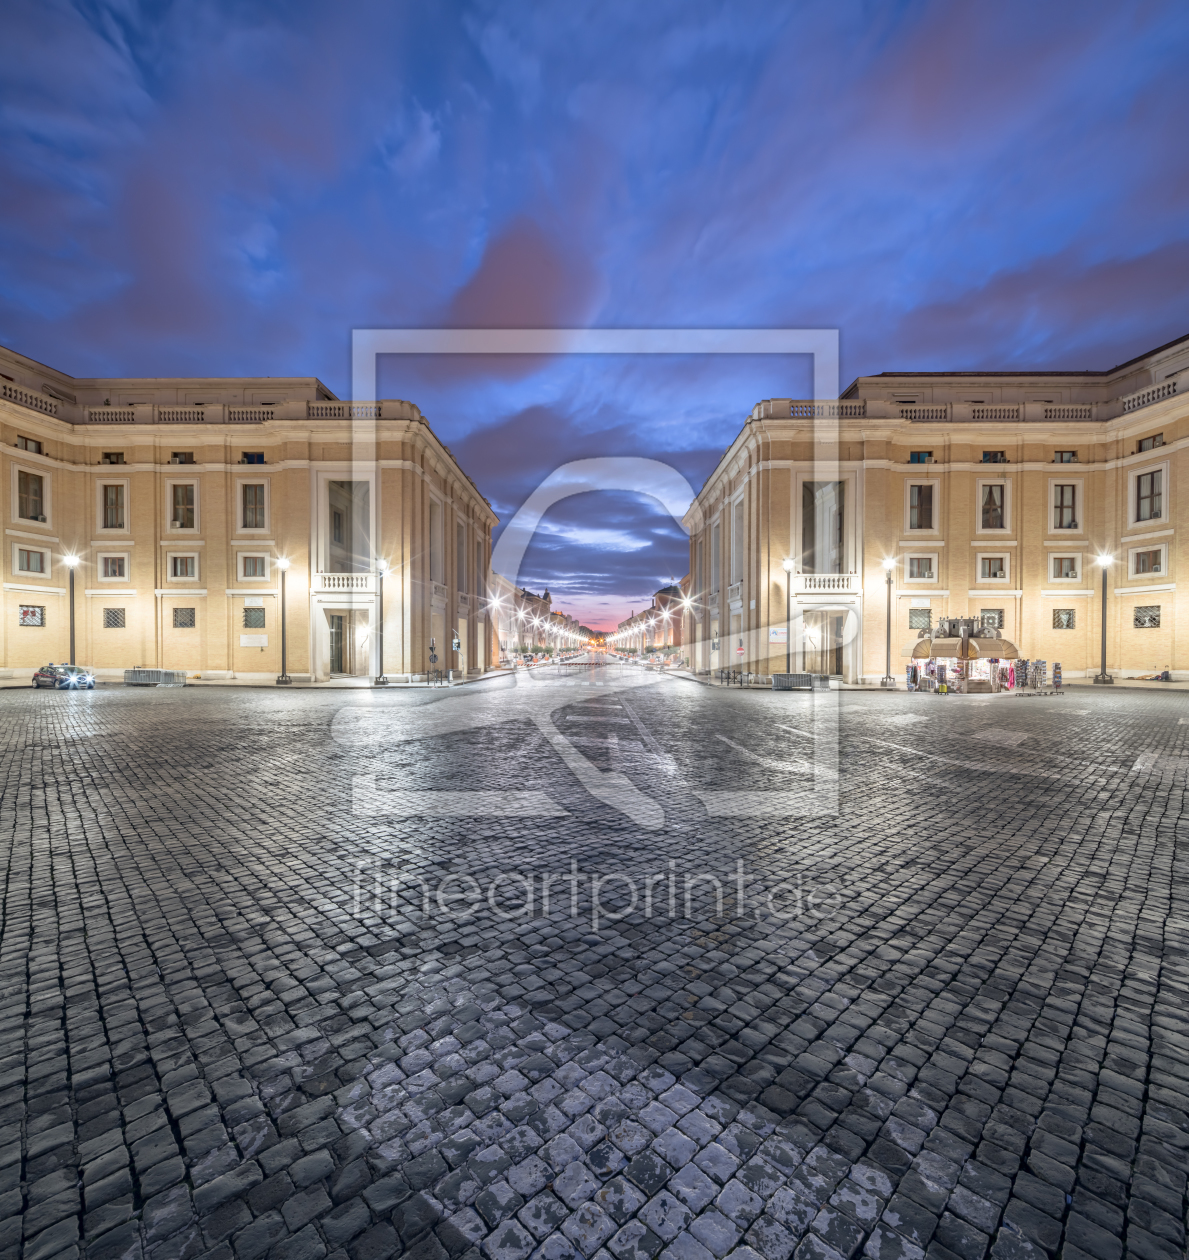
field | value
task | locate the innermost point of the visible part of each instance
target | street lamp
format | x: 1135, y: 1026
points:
x: 283, y: 679
x: 71, y: 562
x: 887, y: 680
x: 787, y: 566
x: 381, y: 570
x: 1104, y: 562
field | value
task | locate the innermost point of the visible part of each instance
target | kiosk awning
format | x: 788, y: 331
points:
x: 965, y: 649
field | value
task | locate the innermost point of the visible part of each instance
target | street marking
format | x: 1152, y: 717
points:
x: 368, y: 800
x: 793, y: 730
x: 787, y: 766
x: 577, y: 717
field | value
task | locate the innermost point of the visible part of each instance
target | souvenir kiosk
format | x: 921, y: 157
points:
x: 965, y: 654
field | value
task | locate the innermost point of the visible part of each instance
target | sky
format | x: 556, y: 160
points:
x: 229, y: 189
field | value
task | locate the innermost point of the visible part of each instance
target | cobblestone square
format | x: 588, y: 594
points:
x: 280, y: 978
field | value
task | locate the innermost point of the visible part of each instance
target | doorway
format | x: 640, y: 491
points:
x: 823, y: 642
x: 336, y: 643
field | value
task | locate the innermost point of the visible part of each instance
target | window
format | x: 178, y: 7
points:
x: 480, y: 571
x: 920, y: 457
x: 992, y: 617
x: 114, y: 567
x: 715, y: 557
x: 461, y: 558
x: 738, y: 542
x: 1064, y: 619
x: 1148, y: 496
x: 253, y: 496
x: 254, y: 566
x: 29, y: 444
x: 30, y: 561
x: 1065, y: 566
x: 1151, y: 443
x: 31, y: 614
x: 994, y: 457
x: 251, y: 457
x: 183, y: 618
x: 436, y: 549
x: 30, y: 496
x: 992, y: 568
x: 113, y: 619
x: 1147, y: 617
x: 183, y: 566
x: 182, y: 457
x: 113, y: 507
x: 920, y: 568
x: 1147, y: 561
x: 1064, y: 515
x: 920, y: 619
x: 183, y: 506
x: 336, y: 526
x: 992, y: 507
x: 113, y: 457
x: 1065, y: 457
x: 253, y: 618
x: 920, y: 507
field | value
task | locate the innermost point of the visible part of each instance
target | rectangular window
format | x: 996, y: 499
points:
x: 920, y: 568
x: 253, y: 618
x: 336, y: 526
x: 183, y: 566
x: 182, y: 457
x: 113, y: 457
x: 183, y: 619
x: 30, y: 561
x: 461, y: 559
x: 716, y: 557
x: 920, y: 619
x: 183, y: 507
x: 436, y: 547
x: 251, y: 457
x: 30, y: 496
x: 31, y: 615
x: 992, y: 507
x: 738, y: 541
x: 480, y: 572
x: 1064, y: 501
x: 113, y: 507
x: 254, y: 508
x: 349, y: 507
x: 113, y: 567
x: 113, y: 619
x: 1065, y: 566
x: 1151, y: 443
x: 255, y: 566
x: 1064, y: 619
x: 992, y: 617
x: 994, y: 457
x: 1148, y: 496
x: 823, y: 517
x: 920, y: 507
x: 920, y: 457
x: 992, y: 568
x: 1065, y: 457
x: 1147, y: 617
x: 29, y: 444
x: 1147, y: 561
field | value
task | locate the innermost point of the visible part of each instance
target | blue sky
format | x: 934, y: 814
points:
x: 224, y: 189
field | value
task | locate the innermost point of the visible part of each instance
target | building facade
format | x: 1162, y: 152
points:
x: 986, y: 494
x: 657, y: 628
x: 183, y: 499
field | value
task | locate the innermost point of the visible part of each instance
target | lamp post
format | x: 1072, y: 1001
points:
x: 283, y: 679
x: 1104, y: 562
x: 787, y: 566
x: 381, y: 569
x: 71, y: 562
x: 887, y: 680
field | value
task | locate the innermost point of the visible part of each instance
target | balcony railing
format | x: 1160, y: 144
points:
x: 818, y: 583
x: 734, y: 592
x: 1145, y: 397
x: 27, y: 398
x: 330, y: 583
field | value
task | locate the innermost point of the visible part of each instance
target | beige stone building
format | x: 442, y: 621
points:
x: 990, y: 494
x: 180, y: 497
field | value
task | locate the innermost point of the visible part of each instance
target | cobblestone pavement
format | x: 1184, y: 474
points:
x: 239, y: 1019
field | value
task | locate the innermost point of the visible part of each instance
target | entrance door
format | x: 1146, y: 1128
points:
x: 823, y: 642
x: 336, y: 644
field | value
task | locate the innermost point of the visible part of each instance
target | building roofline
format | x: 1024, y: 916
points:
x: 966, y: 372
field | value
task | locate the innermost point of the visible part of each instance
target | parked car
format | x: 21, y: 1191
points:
x: 65, y: 677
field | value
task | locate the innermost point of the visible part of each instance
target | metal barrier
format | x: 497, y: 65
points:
x: 792, y: 682
x: 154, y: 678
